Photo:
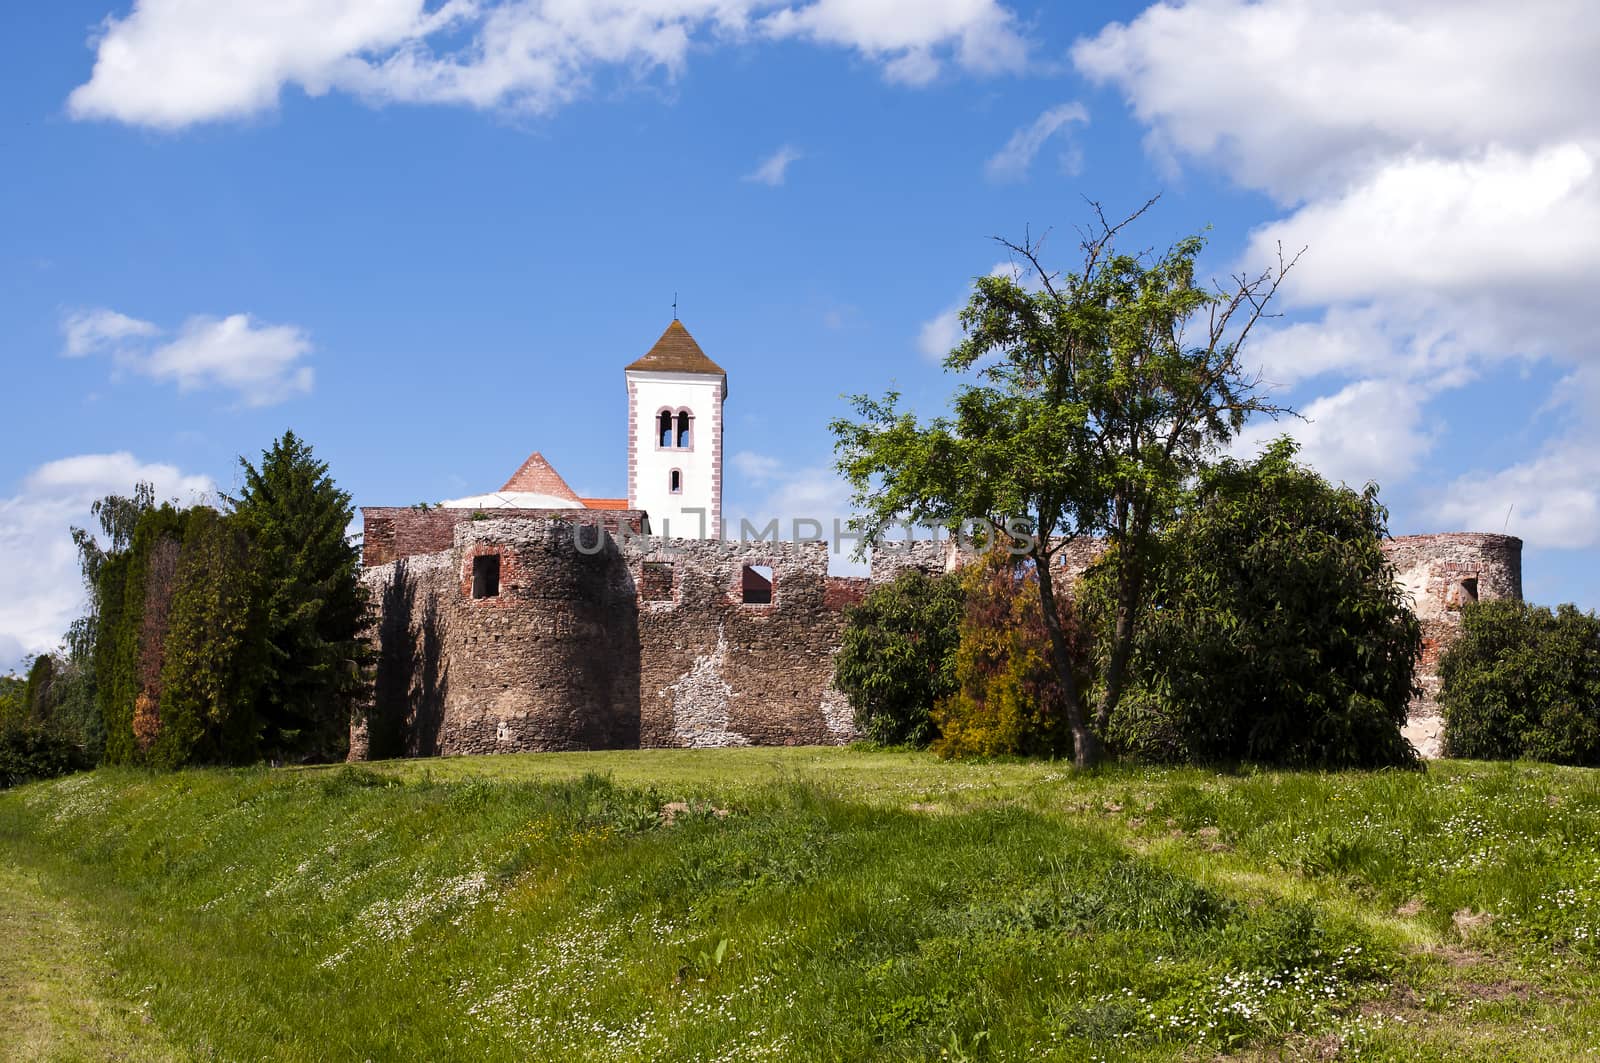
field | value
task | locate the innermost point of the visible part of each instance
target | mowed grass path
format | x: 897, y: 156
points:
x: 806, y: 904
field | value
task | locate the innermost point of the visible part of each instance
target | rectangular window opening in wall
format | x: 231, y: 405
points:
x: 486, y: 576
x: 675, y: 482
x: 756, y: 583
x: 1469, y: 589
x: 655, y: 581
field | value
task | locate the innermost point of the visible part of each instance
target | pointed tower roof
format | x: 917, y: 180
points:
x: 677, y: 352
x: 538, y: 477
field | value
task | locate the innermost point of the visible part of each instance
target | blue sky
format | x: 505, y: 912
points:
x: 428, y: 236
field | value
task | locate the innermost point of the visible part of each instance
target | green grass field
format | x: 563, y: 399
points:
x: 799, y: 904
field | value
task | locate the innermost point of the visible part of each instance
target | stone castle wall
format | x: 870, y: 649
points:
x: 715, y: 671
x: 619, y: 641
x: 1440, y: 574
x: 594, y: 642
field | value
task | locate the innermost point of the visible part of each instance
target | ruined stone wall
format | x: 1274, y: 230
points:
x: 404, y: 714
x: 1440, y: 574
x: 715, y: 671
x: 552, y: 660
x: 583, y: 650
x: 931, y: 556
x: 595, y: 643
x: 549, y: 662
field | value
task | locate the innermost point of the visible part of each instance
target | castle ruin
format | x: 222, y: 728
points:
x: 531, y: 619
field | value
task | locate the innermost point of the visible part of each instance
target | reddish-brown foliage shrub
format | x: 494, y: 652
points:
x: 1008, y: 700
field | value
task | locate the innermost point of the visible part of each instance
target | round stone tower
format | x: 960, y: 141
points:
x: 1441, y: 573
x: 544, y: 640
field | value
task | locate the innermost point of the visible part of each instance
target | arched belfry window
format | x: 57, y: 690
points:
x: 683, y: 429
x: 675, y: 482
x: 664, y: 428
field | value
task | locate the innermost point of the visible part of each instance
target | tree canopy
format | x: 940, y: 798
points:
x: 311, y: 600
x: 897, y: 656
x: 1275, y: 631
x: 1091, y: 398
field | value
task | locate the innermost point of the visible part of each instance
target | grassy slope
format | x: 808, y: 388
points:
x: 51, y: 1004
x: 849, y: 904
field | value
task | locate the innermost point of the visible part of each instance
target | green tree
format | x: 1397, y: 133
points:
x: 103, y: 565
x: 311, y: 600
x: 209, y: 672
x: 1523, y: 681
x: 1275, y: 631
x: 1095, y: 398
x: 33, y: 745
x: 136, y: 586
x: 13, y: 702
x: 897, y: 655
x: 39, y: 698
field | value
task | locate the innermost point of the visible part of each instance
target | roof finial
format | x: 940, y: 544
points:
x: 674, y: 306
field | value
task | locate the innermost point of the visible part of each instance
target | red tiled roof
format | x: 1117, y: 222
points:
x: 604, y: 503
x: 677, y: 352
x: 539, y: 477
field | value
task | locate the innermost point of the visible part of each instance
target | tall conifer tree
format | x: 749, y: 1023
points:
x: 312, y: 603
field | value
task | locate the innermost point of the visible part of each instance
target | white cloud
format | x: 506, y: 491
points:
x: 1512, y: 223
x: 757, y: 468
x: 172, y: 63
x: 1012, y: 162
x: 775, y: 167
x: 1297, y: 96
x: 1369, y: 430
x: 940, y: 333
x: 88, y: 331
x: 1552, y: 499
x: 41, y: 590
x: 260, y: 363
x: 908, y: 35
x: 1440, y: 161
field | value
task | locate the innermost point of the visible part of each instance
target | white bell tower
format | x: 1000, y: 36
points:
x: 675, y: 396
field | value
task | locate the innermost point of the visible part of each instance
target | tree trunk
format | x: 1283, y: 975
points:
x: 1086, y: 748
x: 1129, y: 588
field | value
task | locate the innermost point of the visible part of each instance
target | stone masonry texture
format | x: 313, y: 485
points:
x: 602, y: 638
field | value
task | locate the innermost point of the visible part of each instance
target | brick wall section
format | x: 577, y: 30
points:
x: 392, y: 532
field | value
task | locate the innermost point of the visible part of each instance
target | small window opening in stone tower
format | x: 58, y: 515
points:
x: 486, y: 576
x: 655, y: 581
x: 683, y: 429
x: 664, y: 432
x: 675, y: 482
x: 1464, y: 591
x: 756, y: 584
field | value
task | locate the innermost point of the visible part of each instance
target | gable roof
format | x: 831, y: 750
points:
x: 539, y: 477
x: 677, y: 352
